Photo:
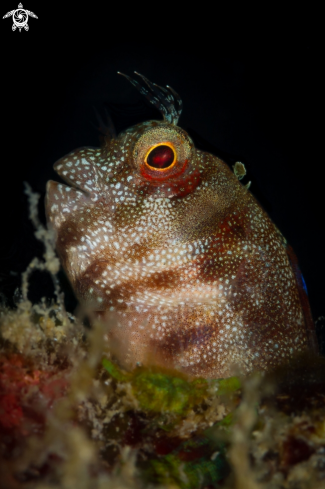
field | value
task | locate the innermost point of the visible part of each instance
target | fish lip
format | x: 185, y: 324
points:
x: 70, y: 184
x: 72, y: 167
x: 66, y: 181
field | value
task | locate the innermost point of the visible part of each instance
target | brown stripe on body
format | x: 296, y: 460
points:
x: 217, y: 263
x: 176, y: 343
x: 158, y: 280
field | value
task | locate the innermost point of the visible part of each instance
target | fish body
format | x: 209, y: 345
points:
x: 165, y: 243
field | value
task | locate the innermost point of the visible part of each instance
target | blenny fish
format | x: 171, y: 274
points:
x: 165, y: 243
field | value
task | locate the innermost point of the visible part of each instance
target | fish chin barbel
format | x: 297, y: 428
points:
x: 164, y: 238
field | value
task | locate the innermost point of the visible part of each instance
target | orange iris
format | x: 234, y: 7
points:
x: 161, y: 157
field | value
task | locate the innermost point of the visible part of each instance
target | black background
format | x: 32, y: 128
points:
x: 251, y: 88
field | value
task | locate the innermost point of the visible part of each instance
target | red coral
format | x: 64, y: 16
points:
x: 26, y: 395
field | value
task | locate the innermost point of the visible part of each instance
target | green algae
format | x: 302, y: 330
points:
x: 115, y: 372
x: 169, y: 397
x: 188, y: 475
x: 160, y: 392
x: 198, y: 462
x: 228, y: 386
x: 227, y: 421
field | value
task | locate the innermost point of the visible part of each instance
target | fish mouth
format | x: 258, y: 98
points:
x: 83, y: 169
x: 69, y: 182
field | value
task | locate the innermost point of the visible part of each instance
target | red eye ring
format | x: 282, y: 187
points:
x: 161, y: 158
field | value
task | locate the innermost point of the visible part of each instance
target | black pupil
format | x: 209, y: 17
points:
x: 161, y: 157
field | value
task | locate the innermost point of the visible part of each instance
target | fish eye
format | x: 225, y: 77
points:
x: 161, y: 156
